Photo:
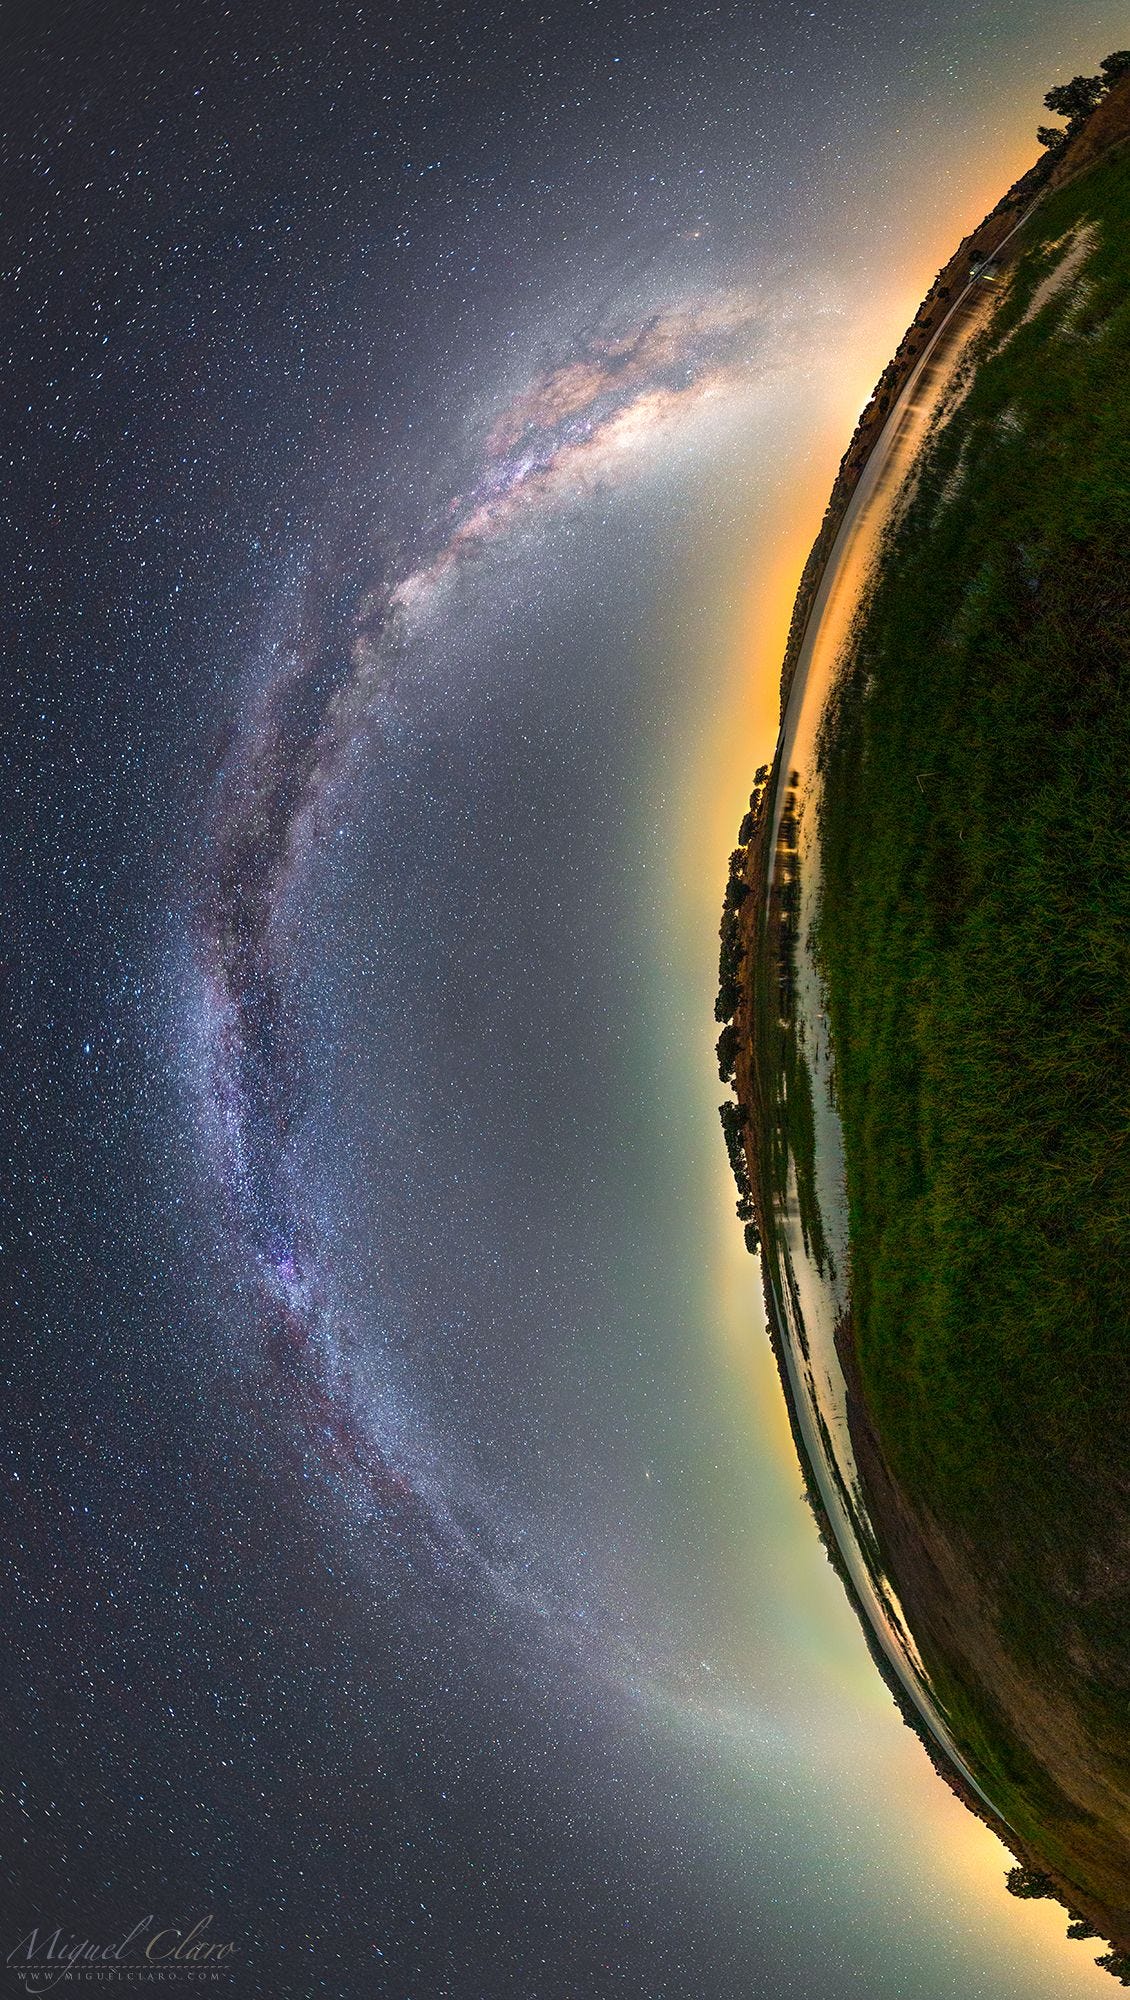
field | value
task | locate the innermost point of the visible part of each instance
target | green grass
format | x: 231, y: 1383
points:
x: 975, y: 940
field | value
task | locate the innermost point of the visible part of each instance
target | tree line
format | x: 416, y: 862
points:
x: 1031, y: 1883
x: 731, y: 961
x: 1076, y: 100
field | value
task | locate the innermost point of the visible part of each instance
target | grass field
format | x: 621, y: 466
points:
x: 975, y: 940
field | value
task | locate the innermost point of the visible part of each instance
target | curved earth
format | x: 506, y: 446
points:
x: 926, y: 991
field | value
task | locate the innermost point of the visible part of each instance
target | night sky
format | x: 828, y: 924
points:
x: 415, y: 424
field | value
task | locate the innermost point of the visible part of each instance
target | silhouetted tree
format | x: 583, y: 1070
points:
x: 732, y: 1126
x: 730, y: 954
x: 1028, y: 1883
x: 1051, y: 136
x: 726, y: 1050
x: 1116, y: 65
x: 1075, y: 100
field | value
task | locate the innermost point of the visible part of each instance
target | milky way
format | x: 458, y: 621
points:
x: 580, y: 424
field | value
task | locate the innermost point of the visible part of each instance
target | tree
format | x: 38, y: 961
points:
x: 1051, y: 136
x: 1077, y: 99
x: 1028, y: 1883
x: 1116, y: 65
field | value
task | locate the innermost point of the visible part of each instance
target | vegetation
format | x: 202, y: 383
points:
x: 737, y: 888
x: 1076, y: 100
x: 1028, y: 1883
x: 732, y: 963
x: 974, y: 931
x: 975, y: 939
